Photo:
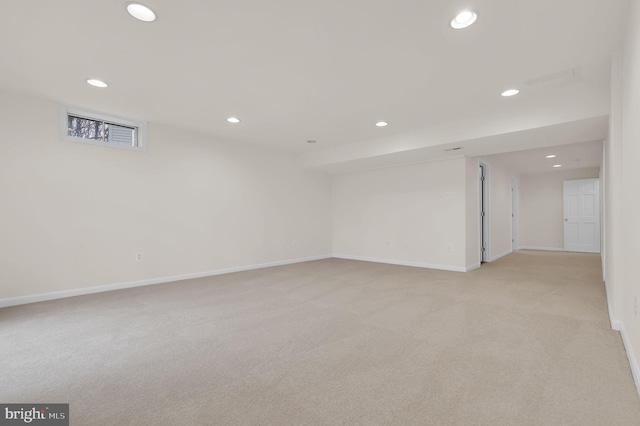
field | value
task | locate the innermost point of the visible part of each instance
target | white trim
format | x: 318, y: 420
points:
x: 603, y: 211
x: 615, y: 324
x: 140, y: 125
x: 487, y: 209
x: 540, y: 248
x: 33, y: 298
x: 472, y: 267
x: 479, y: 212
x: 407, y: 263
x: 514, y: 213
x: 498, y: 256
x: 635, y: 368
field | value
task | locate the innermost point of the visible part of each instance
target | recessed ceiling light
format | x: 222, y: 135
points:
x: 233, y: 120
x: 311, y: 141
x: 141, y: 12
x: 557, y: 165
x: 464, y: 19
x: 510, y: 92
x: 382, y: 124
x: 551, y: 156
x: 97, y: 83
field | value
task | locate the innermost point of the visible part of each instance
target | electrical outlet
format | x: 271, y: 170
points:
x: 388, y: 244
x: 295, y: 243
x: 448, y: 194
x: 450, y: 247
x: 139, y: 257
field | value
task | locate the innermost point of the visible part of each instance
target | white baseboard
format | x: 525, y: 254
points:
x: 494, y: 258
x: 21, y: 300
x: 633, y: 361
x: 615, y: 324
x: 472, y: 267
x: 540, y: 248
x: 406, y: 263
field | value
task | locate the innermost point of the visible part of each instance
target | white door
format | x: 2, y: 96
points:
x: 582, y: 215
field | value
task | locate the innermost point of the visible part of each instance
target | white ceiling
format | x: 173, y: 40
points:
x: 572, y: 156
x: 519, y: 150
x: 294, y: 70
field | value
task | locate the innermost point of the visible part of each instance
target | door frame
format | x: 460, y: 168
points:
x: 484, y: 198
x: 514, y: 214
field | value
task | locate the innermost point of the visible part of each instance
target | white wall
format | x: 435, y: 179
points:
x: 74, y: 215
x: 622, y: 178
x: 541, y: 207
x: 418, y: 209
x: 613, y: 231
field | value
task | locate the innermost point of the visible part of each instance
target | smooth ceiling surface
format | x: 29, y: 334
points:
x: 573, y: 156
x: 294, y: 70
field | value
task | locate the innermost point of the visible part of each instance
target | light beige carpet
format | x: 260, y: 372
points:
x: 522, y: 341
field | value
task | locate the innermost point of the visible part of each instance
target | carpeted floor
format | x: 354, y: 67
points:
x: 524, y: 340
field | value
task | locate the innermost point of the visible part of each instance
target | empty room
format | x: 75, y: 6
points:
x: 319, y: 213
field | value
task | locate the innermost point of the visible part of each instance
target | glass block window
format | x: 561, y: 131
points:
x: 100, y: 129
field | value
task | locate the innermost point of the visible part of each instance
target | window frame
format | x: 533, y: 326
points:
x: 140, y: 125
